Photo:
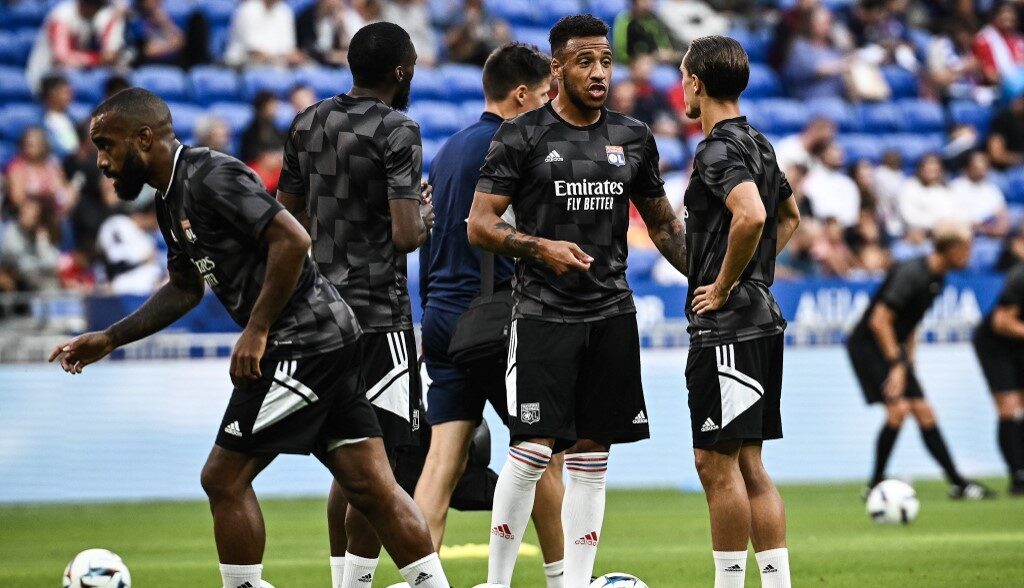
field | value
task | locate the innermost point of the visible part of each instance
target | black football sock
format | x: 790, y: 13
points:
x: 1011, y: 444
x: 883, y: 449
x: 937, y: 447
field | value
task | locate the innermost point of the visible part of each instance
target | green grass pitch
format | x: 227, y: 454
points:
x: 661, y: 536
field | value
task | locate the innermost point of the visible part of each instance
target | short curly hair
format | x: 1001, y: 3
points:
x: 575, y: 26
x: 375, y: 51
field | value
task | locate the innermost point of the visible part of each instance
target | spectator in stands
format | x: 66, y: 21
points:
x: 638, y: 31
x: 624, y: 98
x: 831, y: 192
x: 651, y: 105
x: 28, y: 252
x: 322, y: 33
x: 115, y: 84
x: 815, y: 66
x: 999, y: 48
x: 867, y: 234
x: 36, y: 175
x: 263, y: 33
x: 880, y: 26
x: 301, y: 97
x: 474, y: 34
x: 359, y: 13
x: 1013, y: 251
x: 154, y: 37
x: 92, y: 207
x: 213, y: 132
x: 797, y: 149
x: 689, y: 19
x: 263, y: 143
x: 889, y: 179
x: 414, y: 17
x: 925, y: 198
x: 831, y: 251
x: 57, y: 95
x: 77, y: 34
x: 977, y: 199
x: 127, y: 246
x: 1006, y: 136
x: 952, y: 71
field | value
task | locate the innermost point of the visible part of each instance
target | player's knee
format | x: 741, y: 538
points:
x: 897, y: 412
x: 714, y: 470
x: 1009, y: 406
x: 217, y: 484
x: 924, y: 415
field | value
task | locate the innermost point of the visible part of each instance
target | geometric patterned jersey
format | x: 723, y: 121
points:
x: 732, y: 153
x: 571, y: 183
x: 213, y: 218
x: 909, y: 289
x: 349, y: 157
x: 1011, y: 295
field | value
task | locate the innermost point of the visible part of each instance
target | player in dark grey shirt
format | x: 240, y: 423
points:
x: 296, y: 365
x: 739, y: 214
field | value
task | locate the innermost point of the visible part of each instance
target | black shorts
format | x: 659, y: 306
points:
x: 300, y: 406
x: 392, y: 376
x: 569, y: 381
x: 457, y: 394
x: 1002, y: 364
x: 735, y: 391
x: 871, y: 369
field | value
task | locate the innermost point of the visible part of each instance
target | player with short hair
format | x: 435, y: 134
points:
x: 352, y: 168
x: 516, y: 79
x: 999, y: 344
x: 739, y: 215
x: 296, y: 365
x: 569, y: 170
x: 882, y: 350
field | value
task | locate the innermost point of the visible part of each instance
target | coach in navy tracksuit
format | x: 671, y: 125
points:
x: 516, y: 79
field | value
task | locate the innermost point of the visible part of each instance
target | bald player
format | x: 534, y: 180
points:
x: 295, y: 368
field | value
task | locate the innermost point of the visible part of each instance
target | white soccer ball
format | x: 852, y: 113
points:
x: 618, y: 580
x: 893, y: 502
x: 97, y: 568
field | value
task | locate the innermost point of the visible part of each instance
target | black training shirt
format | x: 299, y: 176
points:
x: 909, y: 290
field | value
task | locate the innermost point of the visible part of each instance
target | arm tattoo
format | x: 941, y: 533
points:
x: 168, y: 304
x: 665, y: 229
x: 515, y: 243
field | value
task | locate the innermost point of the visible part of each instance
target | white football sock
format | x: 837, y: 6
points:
x: 513, y: 503
x: 337, y: 571
x: 730, y: 569
x: 583, y: 514
x: 359, y: 571
x: 554, y: 572
x: 241, y: 576
x: 425, y: 573
x: 774, y: 566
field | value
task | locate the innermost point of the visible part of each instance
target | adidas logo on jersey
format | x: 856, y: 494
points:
x: 552, y: 157
x: 366, y: 579
x: 640, y: 418
x: 709, y: 425
x: 769, y: 569
x: 588, y: 539
x: 734, y: 568
x: 423, y: 577
x: 233, y: 429
x: 503, y: 531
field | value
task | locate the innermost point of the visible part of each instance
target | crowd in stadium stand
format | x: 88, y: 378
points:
x: 886, y: 115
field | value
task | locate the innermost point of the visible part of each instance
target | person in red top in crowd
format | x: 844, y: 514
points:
x: 999, y: 49
x: 77, y: 34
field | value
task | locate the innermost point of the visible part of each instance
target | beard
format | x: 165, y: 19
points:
x: 131, y: 179
x: 692, y: 111
x: 579, y: 99
x: 401, y: 99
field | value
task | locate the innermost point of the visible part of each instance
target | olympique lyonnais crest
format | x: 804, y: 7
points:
x: 187, y: 227
x: 616, y: 155
x: 529, y: 412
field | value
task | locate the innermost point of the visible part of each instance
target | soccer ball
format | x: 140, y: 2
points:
x: 97, y: 568
x: 893, y: 502
x: 618, y: 580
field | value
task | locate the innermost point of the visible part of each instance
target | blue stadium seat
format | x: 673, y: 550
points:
x: 517, y: 12
x: 837, y: 110
x: 672, y: 152
x: 755, y: 42
x: 552, y: 10
x: 913, y: 147
x: 471, y: 111
x: 218, y: 11
x: 923, y: 116
x: 1001, y: 180
x: 532, y: 36
x: 331, y: 81
x: 464, y: 81
x: 1015, y: 185
x: 214, y: 84
x: 184, y: 117
x: 781, y: 116
x: 430, y: 149
x: 13, y: 85
x: 442, y: 11
x: 220, y: 36
x: 428, y: 84
x: 25, y: 14
x: 14, y: 48
x: 902, y: 83
x: 180, y: 12
x: 7, y: 151
x: 859, y: 146
x: 764, y: 82
x: 17, y: 117
x: 166, y: 81
x: 88, y: 83
x: 985, y: 252
x: 438, y: 120
x: 607, y: 10
x: 275, y: 80
x: 284, y: 117
x: 80, y: 111
x: 298, y: 6
x: 238, y: 115
x: 883, y: 117
x: 665, y: 77
x: 967, y: 112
